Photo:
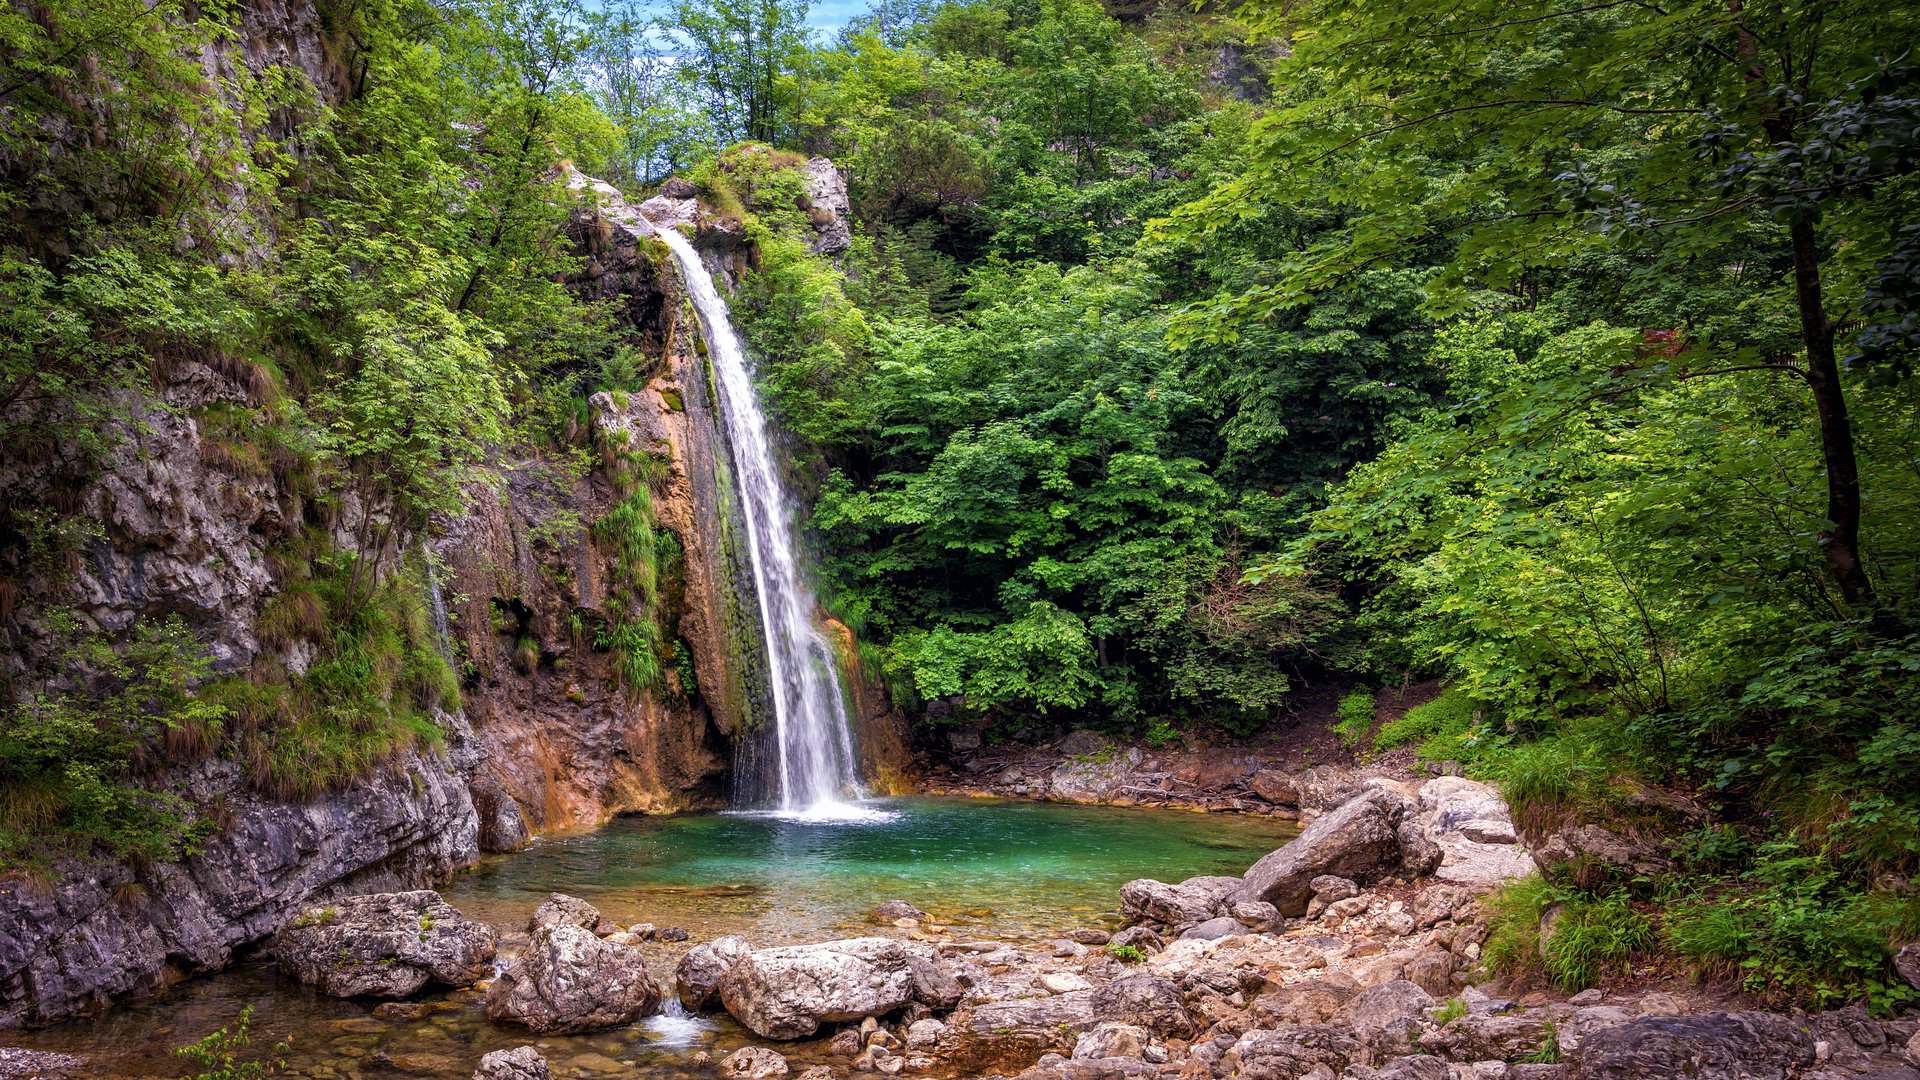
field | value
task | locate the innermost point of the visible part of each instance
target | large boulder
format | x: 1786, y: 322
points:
x: 1455, y: 805
x: 1196, y: 899
x: 1583, y: 848
x: 1475, y: 832
x: 1360, y: 841
x: 559, y: 909
x: 1143, y: 1000
x: 788, y: 993
x: 1907, y: 962
x: 1288, y: 1053
x: 519, y: 1063
x: 385, y: 945
x: 1705, y: 1046
x: 1387, y: 1017
x: 570, y: 981
x: 696, y: 981
x: 1017, y: 1030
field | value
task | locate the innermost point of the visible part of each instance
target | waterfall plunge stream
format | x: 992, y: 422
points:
x: 814, y: 740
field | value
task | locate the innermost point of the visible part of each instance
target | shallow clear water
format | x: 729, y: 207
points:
x: 983, y: 868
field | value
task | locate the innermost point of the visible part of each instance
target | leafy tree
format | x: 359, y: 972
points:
x: 737, y: 51
x: 1515, y: 140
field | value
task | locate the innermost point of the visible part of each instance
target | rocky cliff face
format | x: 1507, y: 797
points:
x: 108, y: 931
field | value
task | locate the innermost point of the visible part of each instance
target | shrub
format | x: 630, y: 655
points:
x: 77, y: 764
x: 1448, y: 716
x: 1356, y: 718
x: 1586, y: 936
x: 369, y: 695
x: 1127, y: 954
x: 219, y: 1053
x: 1808, y: 936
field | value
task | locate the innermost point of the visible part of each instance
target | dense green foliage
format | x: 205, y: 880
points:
x: 1559, y: 353
x: 366, y: 255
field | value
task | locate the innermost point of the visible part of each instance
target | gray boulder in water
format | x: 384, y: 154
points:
x: 385, y: 945
x: 788, y: 993
x: 570, y: 981
x: 696, y: 981
x: 559, y: 909
x: 519, y: 1063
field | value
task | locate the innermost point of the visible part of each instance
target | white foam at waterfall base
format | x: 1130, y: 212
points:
x: 673, y: 1025
x: 817, y: 777
x: 830, y: 812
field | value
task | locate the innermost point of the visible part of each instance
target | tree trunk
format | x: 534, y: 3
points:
x: 1836, y: 428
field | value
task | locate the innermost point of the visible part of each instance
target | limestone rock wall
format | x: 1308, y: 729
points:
x: 108, y: 931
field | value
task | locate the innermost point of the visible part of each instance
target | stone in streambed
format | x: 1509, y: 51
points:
x: 753, y: 1063
x: 569, y: 981
x: 25, y: 1064
x: 385, y: 945
x: 788, y: 993
x: 519, y: 1063
x: 893, y: 910
x: 559, y: 909
x: 697, y: 979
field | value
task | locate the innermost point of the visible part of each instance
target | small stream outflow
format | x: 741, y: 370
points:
x: 814, y: 741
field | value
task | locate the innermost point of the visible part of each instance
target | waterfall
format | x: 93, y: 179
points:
x: 812, y: 736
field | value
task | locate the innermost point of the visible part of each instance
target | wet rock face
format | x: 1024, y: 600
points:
x: 1706, y: 1046
x: 788, y: 993
x: 105, y: 932
x: 385, y: 945
x: 569, y: 981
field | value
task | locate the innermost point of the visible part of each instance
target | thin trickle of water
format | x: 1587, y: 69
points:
x: 437, y: 613
x: 817, y: 775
